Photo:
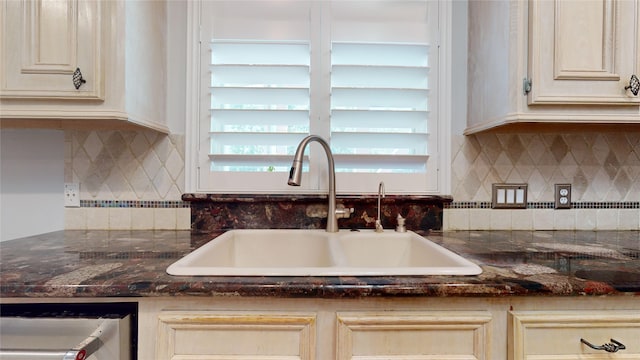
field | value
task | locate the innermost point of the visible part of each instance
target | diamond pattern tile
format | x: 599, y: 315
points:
x: 600, y: 166
x: 92, y: 146
x: 559, y: 148
x: 125, y: 165
x: 174, y: 164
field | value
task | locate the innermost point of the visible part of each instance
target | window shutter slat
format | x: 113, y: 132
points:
x: 380, y: 106
x: 381, y: 163
x: 259, y: 103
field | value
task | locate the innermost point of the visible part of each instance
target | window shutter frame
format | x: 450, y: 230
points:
x: 437, y: 181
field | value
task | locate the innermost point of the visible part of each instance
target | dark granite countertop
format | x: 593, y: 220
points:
x: 133, y: 263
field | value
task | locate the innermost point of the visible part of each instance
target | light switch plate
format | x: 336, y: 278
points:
x: 509, y: 196
x: 562, y: 196
x: 71, y: 195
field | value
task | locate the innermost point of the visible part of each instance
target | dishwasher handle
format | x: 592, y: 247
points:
x: 81, y: 351
x: 87, y: 347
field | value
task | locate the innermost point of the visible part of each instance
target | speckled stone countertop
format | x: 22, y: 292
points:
x: 132, y: 264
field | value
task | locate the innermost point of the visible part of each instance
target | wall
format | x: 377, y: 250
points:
x: 135, y: 179
x: 130, y: 179
x: 603, y: 167
x: 31, y: 182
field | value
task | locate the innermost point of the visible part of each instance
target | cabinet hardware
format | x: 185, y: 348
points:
x: 77, y: 79
x: 611, y: 347
x: 634, y: 85
x: 526, y: 86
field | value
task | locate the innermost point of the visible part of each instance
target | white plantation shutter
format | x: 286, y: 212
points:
x: 379, y: 107
x: 361, y: 74
x: 259, y: 104
x: 254, y: 93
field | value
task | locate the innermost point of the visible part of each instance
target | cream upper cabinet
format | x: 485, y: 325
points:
x: 583, y: 51
x: 45, y: 42
x: 552, y: 62
x: 118, y: 48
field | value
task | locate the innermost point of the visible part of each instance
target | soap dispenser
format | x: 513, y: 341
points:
x: 400, y: 226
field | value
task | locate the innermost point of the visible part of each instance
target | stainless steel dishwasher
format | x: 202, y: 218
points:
x: 68, y: 331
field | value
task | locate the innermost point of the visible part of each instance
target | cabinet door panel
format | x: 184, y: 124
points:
x: 224, y: 335
x: 413, y: 335
x: 547, y: 335
x: 44, y: 41
x: 583, y: 51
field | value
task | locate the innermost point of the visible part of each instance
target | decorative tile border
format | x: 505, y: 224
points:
x: 133, y: 204
x: 607, y: 205
x: 468, y: 205
x: 548, y: 205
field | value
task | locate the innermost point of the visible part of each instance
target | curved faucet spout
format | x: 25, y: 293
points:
x: 295, y: 176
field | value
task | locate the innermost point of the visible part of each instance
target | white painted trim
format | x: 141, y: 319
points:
x: 191, y: 96
x: 445, y: 96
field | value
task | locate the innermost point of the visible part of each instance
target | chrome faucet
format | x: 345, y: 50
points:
x: 295, y: 176
x: 381, y: 194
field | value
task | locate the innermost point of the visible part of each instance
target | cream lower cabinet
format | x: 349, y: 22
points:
x: 359, y: 335
x: 557, y: 335
x: 235, y: 335
x: 413, y: 335
x: 429, y: 328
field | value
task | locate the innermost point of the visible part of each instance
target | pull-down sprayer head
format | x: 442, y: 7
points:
x: 295, y: 174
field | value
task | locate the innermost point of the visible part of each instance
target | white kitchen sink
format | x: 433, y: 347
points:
x: 320, y: 253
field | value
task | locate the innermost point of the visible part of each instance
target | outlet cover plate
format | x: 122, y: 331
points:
x: 509, y: 196
x: 71, y: 195
x: 562, y: 196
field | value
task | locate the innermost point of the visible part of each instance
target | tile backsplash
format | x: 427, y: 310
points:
x: 602, y: 167
x: 128, y: 180
x: 125, y: 165
x: 142, y: 173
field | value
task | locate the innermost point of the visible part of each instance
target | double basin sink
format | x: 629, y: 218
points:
x: 282, y: 252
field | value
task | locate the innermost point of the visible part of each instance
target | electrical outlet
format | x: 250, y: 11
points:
x: 509, y: 196
x: 563, y: 196
x: 71, y: 195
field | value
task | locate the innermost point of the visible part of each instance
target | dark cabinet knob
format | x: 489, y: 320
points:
x: 634, y: 85
x: 77, y: 79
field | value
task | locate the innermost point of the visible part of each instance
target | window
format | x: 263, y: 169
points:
x: 367, y: 76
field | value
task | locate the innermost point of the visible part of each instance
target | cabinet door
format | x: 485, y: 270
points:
x: 555, y: 335
x: 583, y: 51
x: 226, y: 335
x: 44, y: 42
x: 413, y: 335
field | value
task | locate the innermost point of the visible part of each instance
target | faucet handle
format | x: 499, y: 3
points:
x: 343, y: 212
x: 379, y: 227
